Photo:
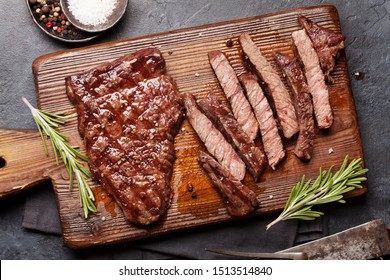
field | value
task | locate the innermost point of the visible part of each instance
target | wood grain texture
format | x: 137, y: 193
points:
x: 24, y: 162
x: 185, y: 52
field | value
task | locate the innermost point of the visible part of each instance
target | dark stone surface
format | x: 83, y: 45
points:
x: 366, y: 24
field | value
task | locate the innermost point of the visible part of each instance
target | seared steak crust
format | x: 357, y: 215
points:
x: 213, y: 140
x: 224, y: 120
x: 315, y: 78
x: 272, y: 142
x: 231, y: 87
x: 303, y: 104
x: 275, y: 87
x: 327, y: 44
x: 239, y: 199
x: 129, y: 115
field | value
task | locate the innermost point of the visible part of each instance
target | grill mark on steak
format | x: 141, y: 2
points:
x: 326, y: 42
x: 275, y: 87
x: 129, y: 114
x: 303, y: 104
x: 212, y: 138
x: 107, y: 78
x: 272, y: 142
x: 223, y: 119
x: 315, y: 78
x: 238, y: 198
x: 228, y: 80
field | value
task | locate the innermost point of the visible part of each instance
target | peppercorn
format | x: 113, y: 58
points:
x: 45, y: 9
x: 51, y: 17
x: 193, y: 194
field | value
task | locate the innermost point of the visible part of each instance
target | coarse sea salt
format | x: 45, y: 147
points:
x: 91, y: 12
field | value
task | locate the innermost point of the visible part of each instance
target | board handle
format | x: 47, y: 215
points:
x: 23, y: 161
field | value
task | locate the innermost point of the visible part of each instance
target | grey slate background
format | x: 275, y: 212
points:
x: 366, y: 24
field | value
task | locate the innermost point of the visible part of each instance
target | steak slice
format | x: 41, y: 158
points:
x: 315, y: 78
x: 275, y: 87
x: 212, y: 138
x: 239, y: 199
x: 129, y: 115
x: 223, y: 119
x: 303, y: 104
x: 326, y: 42
x: 273, y: 145
x: 240, y: 106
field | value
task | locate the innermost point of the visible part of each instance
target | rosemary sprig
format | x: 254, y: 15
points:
x: 47, y: 124
x: 326, y: 188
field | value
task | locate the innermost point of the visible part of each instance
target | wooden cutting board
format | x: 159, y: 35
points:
x: 24, y: 163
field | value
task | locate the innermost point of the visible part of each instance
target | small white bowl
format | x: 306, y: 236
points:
x: 116, y: 15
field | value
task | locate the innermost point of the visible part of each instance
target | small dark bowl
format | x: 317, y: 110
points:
x: 82, y: 37
x: 113, y: 19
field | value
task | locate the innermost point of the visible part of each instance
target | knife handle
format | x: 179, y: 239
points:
x: 23, y: 161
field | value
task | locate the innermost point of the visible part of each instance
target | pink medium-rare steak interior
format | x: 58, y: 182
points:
x: 326, y: 43
x: 222, y: 118
x: 212, y: 138
x: 278, y: 93
x: 315, y: 78
x: 303, y: 104
x: 231, y: 87
x: 272, y: 142
x: 129, y: 114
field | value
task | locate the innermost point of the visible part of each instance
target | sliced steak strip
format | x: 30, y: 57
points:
x: 303, y: 104
x: 224, y: 120
x: 315, y: 78
x: 129, y: 115
x: 327, y: 44
x: 231, y: 87
x: 275, y: 87
x: 212, y: 138
x: 239, y: 199
x: 273, y: 145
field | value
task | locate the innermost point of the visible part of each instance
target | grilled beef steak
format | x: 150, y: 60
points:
x: 231, y: 86
x: 129, y: 114
x: 239, y: 199
x: 273, y: 145
x: 315, y: 78
x: 327, y: 44
x: 275, y: 87
x: 212, y: 138
x: 303, y: 104
x: 224, y: 120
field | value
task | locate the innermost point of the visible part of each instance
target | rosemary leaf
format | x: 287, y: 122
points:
x: 326, y: 188
x: 47, y: 124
